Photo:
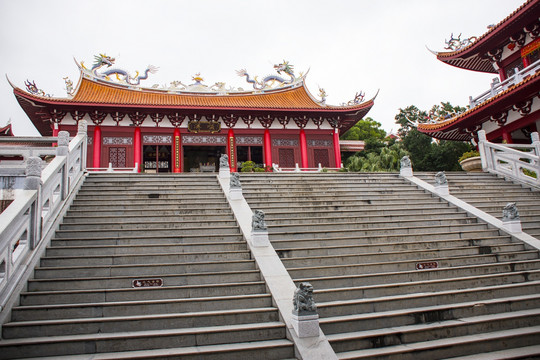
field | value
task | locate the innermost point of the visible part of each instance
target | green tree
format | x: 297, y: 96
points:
x: 387, y: 159
x: 365, y: 129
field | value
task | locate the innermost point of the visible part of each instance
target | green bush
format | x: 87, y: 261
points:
x: 469, y: 154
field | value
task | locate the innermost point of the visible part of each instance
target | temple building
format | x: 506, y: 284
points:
x: 185, y: 128
x: 509, y: 110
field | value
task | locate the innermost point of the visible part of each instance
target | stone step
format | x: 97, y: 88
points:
x: 128, y: 293
x: 525, y: 352
x: 444, y: 348
x: 424, y: 205
x: 138, y: 271
x: 352, y: 224
x: 35, y: 286
x: 140, y: 340
x: 362, y: 213
x: 100, y: 217
x: 350, y: 311
x: 474, y: 237
x: 149, y: 239
x: 357, y: 217
x: 92, y: 282
x: 417, y: 230
x: 163, y: 231
x: 307, y: 202
x: 149, y: 202
x: 151, y: 248
x: 141, y: 259
x: 354, y: 280
x: 271, y: 350
x: 406, y: 265
x: 421, y: 333
x: 488, y: 245
x: 139, y: 209
x: 424, y: 286
x: 155, y: 197
x: 390, y: 257
x: 401, y: 315
x: 162, y: 223
x: 111, y: 324
x: 145, y: 307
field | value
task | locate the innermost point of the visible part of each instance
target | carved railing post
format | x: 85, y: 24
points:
x: 406, y: 168
x: 259, y: 230
x: 535, y: 141
x: 441, y: 184
x: 511, y: 220
x: 235, y: 187
x: 33, y: 182
x: 485, y: 154
x: 63, y: 150
x: 305, y: 319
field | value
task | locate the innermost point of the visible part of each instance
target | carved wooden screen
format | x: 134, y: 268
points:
x: 286, y: 158
x: 321, y: 157
x: 117, y: 157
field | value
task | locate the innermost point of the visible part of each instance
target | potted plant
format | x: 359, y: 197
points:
x: 471, y: 161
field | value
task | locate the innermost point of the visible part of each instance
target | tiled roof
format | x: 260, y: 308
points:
x: 455, y: 122
x: 100, y: 93
x: 471, y: 56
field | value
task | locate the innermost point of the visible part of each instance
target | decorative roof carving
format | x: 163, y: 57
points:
x: 455, y: 44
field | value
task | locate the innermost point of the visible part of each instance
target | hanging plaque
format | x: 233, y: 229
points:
x: 201, y: 126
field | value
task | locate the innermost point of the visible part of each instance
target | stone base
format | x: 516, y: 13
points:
x: 235, y: 194
x: 306, y: 325
x: 406, y: 172
x: 512, y: 226
x: 224, y: 173
x: 260, y: 238
x: 442, y: 190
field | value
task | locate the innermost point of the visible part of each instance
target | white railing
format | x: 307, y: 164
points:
x: 110, y: 169
x: 498, y: 87
x: 29, y: 221
x: 517, y: 161
x: 276, y: 168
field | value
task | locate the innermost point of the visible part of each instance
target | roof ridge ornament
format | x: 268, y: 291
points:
x: 121, y: 75
x: 269, y: 81
x: 455, y: 44
x: 34, y: 90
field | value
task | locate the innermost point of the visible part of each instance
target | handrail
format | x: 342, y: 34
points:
x: 504, y: 159
x: 498, y: 87
x: 28, y: 222
x: 110, y: 169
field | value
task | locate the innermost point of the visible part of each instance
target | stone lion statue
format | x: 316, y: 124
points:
x: 257, y: 221
x: 235, y: 181
x: 510, y: 212
x: 405, y: 162
x: 303, y: 300
x: 223, y: 161
x: 440, y: 178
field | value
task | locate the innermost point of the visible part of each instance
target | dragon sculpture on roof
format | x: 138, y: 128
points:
x: 102, y: 60
x: 269, y: 80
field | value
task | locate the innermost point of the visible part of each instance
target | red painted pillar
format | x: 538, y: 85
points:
x: 337, y: 150
x: 97, y: 147
x: 55, y: 132
x: 507, y: 137
x: 137, y: 148
x: 177, y: 151
x: 303, y: 149
x: 231, y: 153
x: 267, y: 145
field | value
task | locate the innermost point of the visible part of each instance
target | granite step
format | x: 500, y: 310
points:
x: 161, y: 231
x: 149, y: 239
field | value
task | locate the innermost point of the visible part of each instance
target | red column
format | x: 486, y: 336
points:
x: 267, y: 145
x: 97, y: 147
x: 55, y: 132
x: 507, y: 137
x: 177, y: 151
x: 231, y: 153
x: 137, y: 155
x: 303, y: 149
x: 337, y: 150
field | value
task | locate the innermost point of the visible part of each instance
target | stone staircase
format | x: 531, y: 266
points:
x: 398, y: 273
x: 491, y: 193
x: 147, y: 267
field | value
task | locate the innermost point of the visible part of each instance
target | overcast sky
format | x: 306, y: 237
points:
x: 347, y: 45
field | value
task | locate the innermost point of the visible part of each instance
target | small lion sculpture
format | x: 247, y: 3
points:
x: 257, y: 221
x: 510, y: 212
x: 303, y: 300
x: 224, y: 161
